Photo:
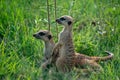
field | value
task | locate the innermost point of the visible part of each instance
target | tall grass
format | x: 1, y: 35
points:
x: 21, y: 54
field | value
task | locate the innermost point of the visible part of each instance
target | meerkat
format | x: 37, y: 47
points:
x: 68, y: 58
x: 49, y: 44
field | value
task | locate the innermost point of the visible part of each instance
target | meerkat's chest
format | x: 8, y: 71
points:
x: 63, y: 37
x: 48, y: 51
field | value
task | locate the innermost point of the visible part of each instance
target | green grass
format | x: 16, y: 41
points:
x: 21, y: 54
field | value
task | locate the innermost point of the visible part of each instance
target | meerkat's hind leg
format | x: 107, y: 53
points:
x: 61, y: 65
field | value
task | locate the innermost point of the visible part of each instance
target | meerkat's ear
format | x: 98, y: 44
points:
x: 49, y: 37
x: 69, y: 22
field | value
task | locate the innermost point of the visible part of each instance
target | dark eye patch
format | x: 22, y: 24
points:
x: 41, y: 33
x: 62, y: 19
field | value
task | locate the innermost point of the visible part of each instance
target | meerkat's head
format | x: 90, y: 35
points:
x: 65, y: 20
x: 43, y: 35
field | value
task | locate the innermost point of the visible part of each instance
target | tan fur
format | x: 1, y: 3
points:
x: 67, y: 57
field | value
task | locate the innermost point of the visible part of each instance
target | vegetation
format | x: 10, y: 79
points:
x: 96, y: 29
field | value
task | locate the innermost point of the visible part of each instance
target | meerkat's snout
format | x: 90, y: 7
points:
x: 39, y: 34
x: 58, y: 21
x: 35, y: 35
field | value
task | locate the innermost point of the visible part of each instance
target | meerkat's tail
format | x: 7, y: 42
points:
x: 110, y: 56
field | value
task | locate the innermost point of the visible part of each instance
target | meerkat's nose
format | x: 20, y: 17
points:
x: 34, y: 35
x: 57, y: 20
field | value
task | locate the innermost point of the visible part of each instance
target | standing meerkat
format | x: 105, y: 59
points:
x: 68, y: 59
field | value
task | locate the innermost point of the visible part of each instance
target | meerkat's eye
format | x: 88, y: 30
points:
x: 62, y: 19
x: 41, y: 33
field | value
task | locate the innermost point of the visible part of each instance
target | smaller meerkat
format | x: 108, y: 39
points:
x: 49, y: 44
